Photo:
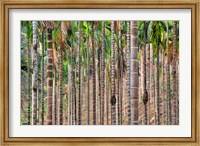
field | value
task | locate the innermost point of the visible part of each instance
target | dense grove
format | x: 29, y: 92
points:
x: 99, y: 73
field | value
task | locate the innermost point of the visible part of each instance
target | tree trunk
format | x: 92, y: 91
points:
x: 134, y: 80
x: 49, y: 76
x: 128, y: 72
x: 168, y: 80
x: 55, y: 98
x: 145, y: 94
x: 107, y: 99
x: 177, y: 103
x: 113, y: 98
x: 35, y: 72
x: 69, y: 95
x: 93, y: 76
x: 29, y: 79
x: 154, y: 76
x: 152, y: 95
x: 158, y: 86
x: 174, y: 75
x: 60, y: 87
x: 163, y: 88
x: 102, y: 73
x: 88, y: 88
x: 148, y: 82
x: 79, y: 73
x: 73, y: 88
x: 120, y: 80
x: 42, y: 115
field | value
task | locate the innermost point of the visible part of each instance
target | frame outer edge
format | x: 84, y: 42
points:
x: 198, y: 72
x: 4, y: 65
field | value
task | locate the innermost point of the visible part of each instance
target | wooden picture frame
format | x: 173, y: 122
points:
x: 147, y: 4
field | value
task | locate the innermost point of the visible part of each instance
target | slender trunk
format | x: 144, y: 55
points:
x: 93, y: 76
x: 73, y: 89
x: 98, y: 75
x: 145, y: 94
x: 55, y: 98
x: 38, y: 101
x: 167, y: 76
x: 69, y: 95
x: 152, y: 95
x: 102, y: 73
x: 128, y: 73
x: 174, y: 76
x: 107, y: 99
x: 119, y: 67
x: 35, y: 73
x: 88, y: 88
x: 168, y: 117
x: 79, y: 73
x: 154, y: 82
x: 158, y: 85
x: 42, y: 78
x: 177, y: 103
x: 140, y: 85
x: 134, y: 81
x: 49, y: 76
x: 148, y: 82
x: 163, y: 88
x: 29, y: 80
x: 113, y: 98
x: 60, y: 87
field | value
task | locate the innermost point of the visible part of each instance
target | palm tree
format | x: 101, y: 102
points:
x: 163, y: 87
x: 73, y: 72
x: 88, y: 87
x: 157, y: 30
x: 168, y: 116
x: 49, y: 25
x: 128, y: 72
x: 42, y: 77
x: 73, y: 85
x: 134, y: 80
x: 93, y: 75
x: 28, y: 66
x: 154, y: 91
x: 49, y: 76
x: 60, y: 86
x: 55, y: 70
x: 119, y: 72
x: 35, y: 72
x: 69, y: 94
x: 145, y: 94
x: 113, y: 98
x: 174, y: 75
x: 152, y: 95
x: 102, y: 73
x: 79, y: 73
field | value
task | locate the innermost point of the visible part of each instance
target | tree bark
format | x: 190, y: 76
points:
x: 128, y: 73
x: 35, y: 72
x: 49, y: 76
x: 93, y: 76
x: 134, y: 81
x: 102, y: 73
x: 113, y: 98
x: 29, y: 79
x: 174, y: 76
x: 158, y: 85
x: 145, y: 93
x: 79, y: 73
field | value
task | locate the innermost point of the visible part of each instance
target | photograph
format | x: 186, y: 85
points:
x: 106, y: 72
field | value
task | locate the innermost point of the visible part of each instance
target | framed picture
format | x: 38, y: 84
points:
x: 105, y: 72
